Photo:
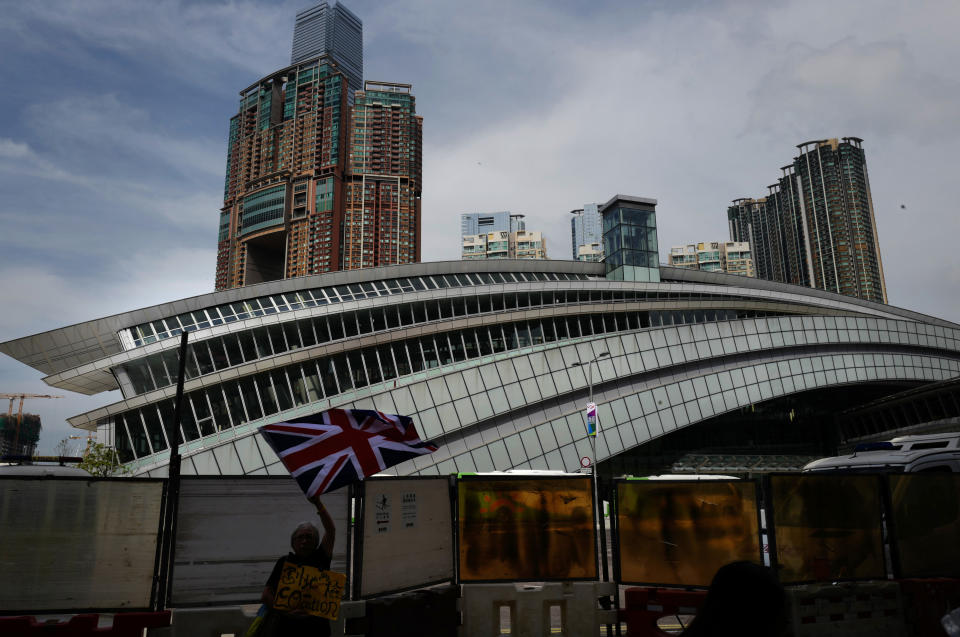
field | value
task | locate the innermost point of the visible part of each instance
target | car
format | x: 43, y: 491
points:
x: 905, y: 454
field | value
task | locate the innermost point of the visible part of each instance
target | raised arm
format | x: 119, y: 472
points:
x: 329, y: 530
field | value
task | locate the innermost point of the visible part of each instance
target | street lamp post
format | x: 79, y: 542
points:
x: 593, y: 461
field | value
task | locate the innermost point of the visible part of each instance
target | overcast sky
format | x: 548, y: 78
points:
x: 114, y: 117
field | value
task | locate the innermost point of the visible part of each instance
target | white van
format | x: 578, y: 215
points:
x: 906, y: 454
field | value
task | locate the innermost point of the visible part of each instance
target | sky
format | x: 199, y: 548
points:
x: 114, y: 118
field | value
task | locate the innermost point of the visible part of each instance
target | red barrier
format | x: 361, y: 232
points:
x: 644, y: 606
x: 925, y: 601
x: 124, y: 625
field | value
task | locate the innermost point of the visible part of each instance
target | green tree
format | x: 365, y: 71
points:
x: 101, y: 460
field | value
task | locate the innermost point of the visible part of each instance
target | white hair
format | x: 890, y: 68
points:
x: 313, y: 529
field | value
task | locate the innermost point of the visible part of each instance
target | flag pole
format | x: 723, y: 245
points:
x: 169, y: 540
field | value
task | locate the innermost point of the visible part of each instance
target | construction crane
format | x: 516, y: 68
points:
x: 22, y: 397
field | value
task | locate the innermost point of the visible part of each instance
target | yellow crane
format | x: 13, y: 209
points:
x: 22, y: 397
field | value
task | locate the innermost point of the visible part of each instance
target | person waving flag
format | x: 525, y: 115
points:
x: 333, y: 448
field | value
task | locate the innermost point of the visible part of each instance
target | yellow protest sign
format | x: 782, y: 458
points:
x: 308, y: 589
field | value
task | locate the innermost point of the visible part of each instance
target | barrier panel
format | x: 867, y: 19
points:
x: 925, y: 601
x: 73, y: 544
x: 124, y: 625
x: 406, y: 534
x: 230, y: 532
x: 926, y: 523
x: 678, y: 533
x: 644, y: 607
x: 525, y: 529
x: 827, y: 527
x: 854, y: 609
x: 531, y: 606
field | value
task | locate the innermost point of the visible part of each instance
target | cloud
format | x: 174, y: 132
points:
x: 874, y: 89
x: 178, y: 38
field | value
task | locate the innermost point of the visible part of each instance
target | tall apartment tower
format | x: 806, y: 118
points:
x: 336, y: 32
x: 586, y: 229
x: 286, y: 158
x: 382, y: 215
x: 302, y: 195
x: 816, y: 227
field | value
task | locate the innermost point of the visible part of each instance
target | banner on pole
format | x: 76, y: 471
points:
x: 591, y: 419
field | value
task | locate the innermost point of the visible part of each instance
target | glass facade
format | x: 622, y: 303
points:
x: 630, y: 242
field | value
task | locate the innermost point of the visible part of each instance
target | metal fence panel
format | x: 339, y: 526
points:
x: 77, y: 543
x: 230, y: 532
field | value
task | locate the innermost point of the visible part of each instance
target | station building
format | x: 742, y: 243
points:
x: 496, y: 359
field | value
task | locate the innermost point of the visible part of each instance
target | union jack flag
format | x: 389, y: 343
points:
x: 333, y: 448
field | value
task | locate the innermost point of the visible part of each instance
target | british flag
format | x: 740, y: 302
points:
x: 333, y: 448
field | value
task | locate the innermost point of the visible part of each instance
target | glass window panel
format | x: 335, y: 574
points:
x: 250, y: 399
x: 470, y: 343
x: 277, y: 338
x: 159, y: 372
x: 313, y: 384
x: 234, y: 402
x: 443, y: 349
x: 400, y: 359
x: 232, y: 346
x: 350, y: 324
x: 456, y: 346
x: 218, y: 408
x: 391, y: 316
x: 415, y: 355
x: 523, y: 334
x: 336, y: 327
x: 344, y: 378
x: 510, y: 334
x: 154, y: 428
x: 291, y: 330
x: 374, y: 374
x: 298, y: 385
x: 364, y: 321
x: 268, y: 397
x: 429, y: 352
x: 328, y: 377
x: 282, y: 389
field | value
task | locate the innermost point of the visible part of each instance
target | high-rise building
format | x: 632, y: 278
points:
x: 382, y: 216
x: 817, y: 225
x: 586, y: 228
x: 472, y: 223
x: 502, y: 244
x: 293, y: 203
x: 732, y: 257
x: 283, y: 197
x: 336, y: 32
x: 318, y: 180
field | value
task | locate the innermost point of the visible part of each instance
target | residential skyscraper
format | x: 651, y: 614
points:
x: 483, y: 222
x: 731, y: 257
x: 382, y: 215
x: 334, y: 31
x: 283, y: 196
x: 586, y: 228
x: 817, y: 225
x: 323, y: 173
x: 501, y: 244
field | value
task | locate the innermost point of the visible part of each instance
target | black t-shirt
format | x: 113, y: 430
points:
x: 299, y: 625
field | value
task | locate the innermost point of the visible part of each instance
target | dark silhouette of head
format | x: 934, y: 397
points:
x: 744, y: 600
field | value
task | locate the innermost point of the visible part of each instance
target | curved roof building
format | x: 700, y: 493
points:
x: 483, y: 355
